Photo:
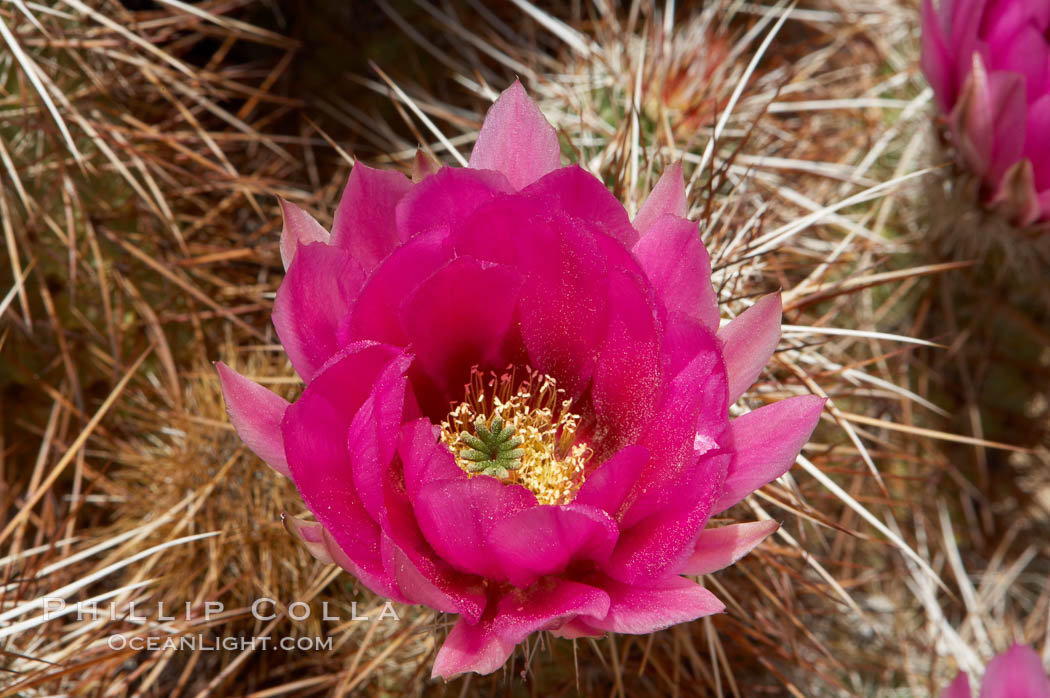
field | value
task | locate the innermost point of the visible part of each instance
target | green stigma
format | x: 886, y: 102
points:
x: 491, y: 449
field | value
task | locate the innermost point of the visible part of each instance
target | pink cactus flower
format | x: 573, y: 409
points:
x: 988, y: 62
x: 1016, y: 673
x: 516, y: 399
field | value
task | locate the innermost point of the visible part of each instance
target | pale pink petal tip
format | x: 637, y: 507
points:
x: 749, y: 341
x: 766, y: 442
x: 720, y: 547
x: 516, y: 140
x: 667, y: 197
x: 300, y: 228
x: 364, y: 223
x: 1017, y: 672
x: 311, y: 535
x: 256, y: 414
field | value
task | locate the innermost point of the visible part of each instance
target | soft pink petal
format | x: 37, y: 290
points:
x: 443, y: 200
x: 1016, y: 673
x: 582, y: 195
x: 459, y: 318
x: 749, y: 341
x: 666, y: 198
x: 364, y: 222
x: 300, y: 228
x: 676, y: 262
x: 638, y: 609
x: 456, y: 516
x: 608, y: 486
x: 767, y: 441
x: 313, y: 303
x: 516, y: 139
x: 484, y: 647
x: 256, y: 414
x: 315, y: 430
x: 720, y: 547
x: 546, y: 539
x: 959, y: 688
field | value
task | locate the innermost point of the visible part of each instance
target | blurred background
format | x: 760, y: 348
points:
x: 143, y: 145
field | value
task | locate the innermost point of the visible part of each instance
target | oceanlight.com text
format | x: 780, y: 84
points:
x: 204, y: 643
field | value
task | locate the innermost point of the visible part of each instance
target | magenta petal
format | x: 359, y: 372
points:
x: 608, y: 486
x: 315, y: 430
x: 423, y: 580
x: 971, y: 119
x: 562, y: 307
x: 935, y: 60
x: 720, y: 547
x: 767, y: 441
x: 638, y: 609
x: 484, y: 647
x: 369, y: 569
x: 312, y: 304
x: 300, y: 228
x: 256, y: 414
x: 445, y: 199
x: 546, y: 539
x: 749, y: 341
x: 364, y: 222
x: 1024, y: 52
x: 456, y: 516
x: 666, y: 198
x: 375, y: 315
x: 459, y: 318
x: 661, y: 543
x: 1007, y: 96
x: 424, y: 458
x: 1037, y: 141
x: 516, y: 139
x: 692, y: 420
x: 959, y: 688
x: 676, y: 262
x: 1016, y: 673
x: 627, y: 376
x: 373, y: 436
x: 582, y: 195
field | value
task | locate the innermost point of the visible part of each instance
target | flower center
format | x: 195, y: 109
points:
x: 520, y: 430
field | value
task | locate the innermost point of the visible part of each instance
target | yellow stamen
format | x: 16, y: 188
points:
x: 552, y: 464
